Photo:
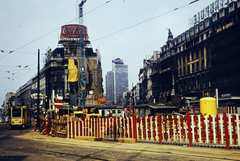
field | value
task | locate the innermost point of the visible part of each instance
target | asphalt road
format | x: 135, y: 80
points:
x: 26, y: 145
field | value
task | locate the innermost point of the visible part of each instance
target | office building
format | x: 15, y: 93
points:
x: 109, y: 88
x: 120, y: 75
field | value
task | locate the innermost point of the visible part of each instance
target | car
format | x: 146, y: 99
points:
x: 1, y: 120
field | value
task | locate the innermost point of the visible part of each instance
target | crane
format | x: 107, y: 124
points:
x: 82, y: 77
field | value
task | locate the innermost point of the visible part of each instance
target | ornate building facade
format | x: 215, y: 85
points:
x: 202, y: 61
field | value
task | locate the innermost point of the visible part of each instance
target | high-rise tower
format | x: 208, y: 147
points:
x: 109, y: 88
x: 120, y: 75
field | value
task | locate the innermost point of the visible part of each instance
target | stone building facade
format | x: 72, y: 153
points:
x: 202, y: 61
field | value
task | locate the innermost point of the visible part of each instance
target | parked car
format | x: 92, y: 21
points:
x: 1, y: 120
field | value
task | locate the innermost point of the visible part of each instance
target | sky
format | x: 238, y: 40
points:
x: 127, y: 29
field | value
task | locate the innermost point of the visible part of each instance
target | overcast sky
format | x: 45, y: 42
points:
x: 29, y: 25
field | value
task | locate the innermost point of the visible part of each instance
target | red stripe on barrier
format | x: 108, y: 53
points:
x: 196, y: 128
x: 115, y: 128
x: 218, y: 129
x: 148, y: 125
x: 134, y: 128
x: 160, y: 129
x: 226, y: 130
x: 171, y: 127
x: 165, y: 128
x: 233, y: 119
x: 203, y: 129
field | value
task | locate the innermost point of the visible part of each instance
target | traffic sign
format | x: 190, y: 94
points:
x: 58, y: 103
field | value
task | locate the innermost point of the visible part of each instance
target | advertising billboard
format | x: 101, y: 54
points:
x: 101, y: 99
x: 71, y: 33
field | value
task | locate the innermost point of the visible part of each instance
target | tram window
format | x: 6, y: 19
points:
x: 16, y: 113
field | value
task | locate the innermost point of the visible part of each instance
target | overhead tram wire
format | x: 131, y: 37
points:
x: 106, y: 35
x: 145, y: 21
x: 51, y: 31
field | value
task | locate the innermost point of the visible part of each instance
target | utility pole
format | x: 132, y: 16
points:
x: 38, y: 90
x: 82, y: 77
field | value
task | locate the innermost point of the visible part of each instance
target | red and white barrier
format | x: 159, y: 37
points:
x: 219, y: 129
x: 232, y: 110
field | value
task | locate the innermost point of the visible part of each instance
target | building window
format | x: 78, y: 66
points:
x: 189, y: 69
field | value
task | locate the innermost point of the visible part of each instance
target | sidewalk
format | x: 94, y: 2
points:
x: 166, y: 147
x: 33, y: 135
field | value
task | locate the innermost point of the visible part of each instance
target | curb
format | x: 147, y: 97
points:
x: 88, y: 138
x: 126, y: 140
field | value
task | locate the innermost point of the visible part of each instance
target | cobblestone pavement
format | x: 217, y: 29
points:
x: 30, y: 145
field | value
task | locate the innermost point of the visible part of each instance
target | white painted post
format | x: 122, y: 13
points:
x: 199, y: 129
x: 174, y: 128
x: 221, y: 127
x: 238, y: 130
x: 82, y: 122
x: 206, y: 125
x: 88, y: 130
x: 193, y: 133
x: 128, y: 127
x: 230, y: 128
x: 214, y: 129
x: 94, y: 127
x: 71, y: 129
x: 156, y: 128
x: 75, y: 130
x: 179, y: 128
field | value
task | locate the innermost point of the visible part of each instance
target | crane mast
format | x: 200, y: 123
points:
x: 82, y: 76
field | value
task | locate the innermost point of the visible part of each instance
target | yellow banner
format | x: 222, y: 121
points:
x: 73, y: 71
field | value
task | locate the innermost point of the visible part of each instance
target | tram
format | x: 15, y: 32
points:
x: 19, y: 116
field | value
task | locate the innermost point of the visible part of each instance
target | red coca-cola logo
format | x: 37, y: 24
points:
x: 69, y: 31
x: 72, y: 31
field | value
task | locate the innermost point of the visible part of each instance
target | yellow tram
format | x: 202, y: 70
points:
x: 20, y: 116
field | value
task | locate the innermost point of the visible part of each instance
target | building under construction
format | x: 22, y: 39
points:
x: 62, y: 71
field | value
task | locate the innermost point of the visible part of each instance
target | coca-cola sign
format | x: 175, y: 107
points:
x: 72, y: 31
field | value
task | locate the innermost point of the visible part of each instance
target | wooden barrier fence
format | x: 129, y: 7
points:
x: 219, y: 129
